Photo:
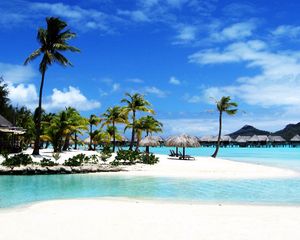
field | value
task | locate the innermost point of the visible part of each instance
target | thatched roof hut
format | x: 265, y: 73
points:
x: 151, y: 141
x: 276, y: 139
x: 206, y: 138
x: 242, y: 139
x: 295, y: 138
x: 183, y: 141
x: 259, y: 138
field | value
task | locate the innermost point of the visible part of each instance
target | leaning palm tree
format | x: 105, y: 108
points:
x: 93, y: 121
x: 113, y: 116
x: 53, y: 41
x: 135, y: 102
x: 224, y: 105
x: 151, y: 125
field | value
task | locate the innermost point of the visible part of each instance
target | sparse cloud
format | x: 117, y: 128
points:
x: 155, y: 91
x: 277, y: 84
x: 186, y: 34
x: 135, y: 80
x: 173, y: 80
x: 235, y: 31
x: 287, y: 31
x: 13, y: 73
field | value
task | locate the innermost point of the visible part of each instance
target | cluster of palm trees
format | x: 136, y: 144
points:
x: 64, y: 128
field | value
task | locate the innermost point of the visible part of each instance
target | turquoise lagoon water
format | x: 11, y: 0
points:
x: 18, y: 190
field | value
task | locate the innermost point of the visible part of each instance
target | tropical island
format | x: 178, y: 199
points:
x: 117, y: 173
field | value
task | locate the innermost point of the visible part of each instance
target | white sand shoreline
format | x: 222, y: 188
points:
x: 122, y: 218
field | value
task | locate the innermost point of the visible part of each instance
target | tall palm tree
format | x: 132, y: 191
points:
x: 53, y: 41
x: 224, y: 105
x: 93, y: 121
x: 113, y: 116
x: 135, y: 102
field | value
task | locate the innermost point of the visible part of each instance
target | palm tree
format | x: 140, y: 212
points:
x: 113, y: 116
x: 53, y: 41
x: 224, y: 105
x: 76, y: 124
x: 93, y: 121
x: 146, y: 124
x: 135, y: 102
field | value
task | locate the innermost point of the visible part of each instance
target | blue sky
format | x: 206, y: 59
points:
x: 179, y: 53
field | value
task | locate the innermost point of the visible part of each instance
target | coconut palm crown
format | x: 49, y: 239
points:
x: 112, y: 116
x: 135, y: 103
x: 53, y: 41
x: 224, y: 105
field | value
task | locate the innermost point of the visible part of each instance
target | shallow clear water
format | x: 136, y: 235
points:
x: 16, y: 190
x: 285, y: 157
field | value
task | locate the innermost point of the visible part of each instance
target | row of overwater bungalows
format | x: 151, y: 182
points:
x: 251, y: 141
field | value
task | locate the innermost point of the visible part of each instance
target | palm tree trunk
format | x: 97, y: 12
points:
x: 91, y: 132
x: 133, y: 131
x: 75, y: 140
x: 114, y: 137
x: 219, y: 136
x: 36, y: 149
x: 66, y: 143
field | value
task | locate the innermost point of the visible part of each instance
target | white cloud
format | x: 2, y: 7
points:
x: 78, y: 17
x: 137, y: 15
x: 13, y: 73
x: 23, y: 95
x: 288, y: 31
x: 278, y: 83
x: 71, y: 97
x: 174, y: 81
x: 115, y: 87
x: 186, y: 33
x: 135, y: 80
x: 236, y: 31
x: 155, y: 91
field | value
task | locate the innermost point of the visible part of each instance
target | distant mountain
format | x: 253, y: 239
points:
x: 289, y: 131
x: 248, y: 130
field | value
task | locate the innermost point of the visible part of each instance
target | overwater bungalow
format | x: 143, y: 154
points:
x: 242, y: 141
x: 295, y: 141
x: 276, y: 141
x: 258, y: 140
x: 10, y: 136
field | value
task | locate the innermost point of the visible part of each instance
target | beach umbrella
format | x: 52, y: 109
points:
x: 183, y: 141
x: 151, y: 141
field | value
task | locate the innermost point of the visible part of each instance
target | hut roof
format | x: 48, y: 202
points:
x: 295, y: 138
x: 183, y: 140
x: 276, y: 139
x: 259, y: 138
x: 206, y: 138
x: 4, y: 122
x: 151, y: 141
x: 242, y: 139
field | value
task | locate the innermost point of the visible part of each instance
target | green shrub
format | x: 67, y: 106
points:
x: 77, y: 160
x: 17, y: 160
x: 149, y: 158
x: 105, y: 156
x: 45, y: 162
x: 126, y: 157
x: 106, y: 149
x: 93, y: 159
x: 56, y: 156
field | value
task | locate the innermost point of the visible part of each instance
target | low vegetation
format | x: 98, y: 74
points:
x: 128, y: 157
x: 17, y: 160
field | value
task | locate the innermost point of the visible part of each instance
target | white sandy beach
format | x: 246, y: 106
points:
x: 201, y: 167
x: 135, y: 220
x: 131, y: 219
